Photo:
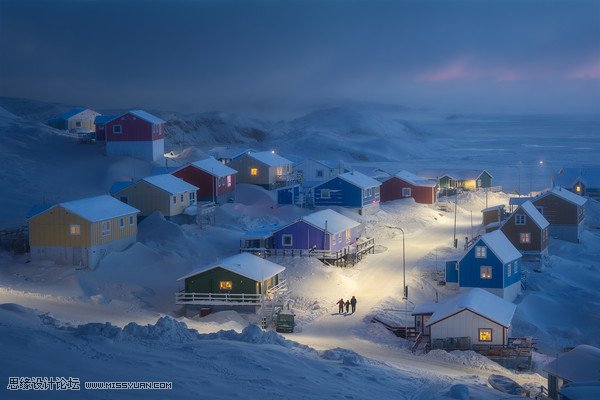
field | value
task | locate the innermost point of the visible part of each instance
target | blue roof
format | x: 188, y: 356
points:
x: 38, y: 209
x: 103, y: 119
x: 118, y: 186
x: 163, y: 170
x: 71, y: 113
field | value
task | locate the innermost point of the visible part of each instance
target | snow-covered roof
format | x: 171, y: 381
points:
x: 567, y: 177
x: 214, y: 167
x: 581, y: 364
x: 479, y: 301
x: 71, y: 113
x: 103, y: 119
x: 361, y: 180
x: 517, y: 201
x: 170, y: 183
x: 328, y: 219
x: 534, y: 214
x: 270, y: 158
x: 458, y: 174
x: 581, y: 390
x: 499, y: 244
x: 332, y: 163
x: 229, y: 152
x: 415, y: 180
x: 260, y: 233
x: 38, y: 209
x: 245, y: 264
x: 425, y: 308
x: 374, y: 172
x: 565, y: 195
x: 99, y: 208
x: 492, y: 208
x: 146, y: 116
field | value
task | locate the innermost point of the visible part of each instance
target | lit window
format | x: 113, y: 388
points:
x: 480, y: 252
x: 105, y: 228
x: 578, y: 189
x: 287, y: 240
x: 348, y: 235
x: 279, y: 171
x: 121, y: 223
x: 520, y: 219
x: 75, y: 230
x: 525, y: 237
x: 253, y: 171
x: 485, y: 335
x: 131, y: 220
x: 486, y: 272
x: 225, y: 285
x: 228, y: 180
x: 406, y: 192
x: 117, y: 129
x: 325, y: 193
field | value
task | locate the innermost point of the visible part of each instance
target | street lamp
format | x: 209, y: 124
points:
x: 404, y: 287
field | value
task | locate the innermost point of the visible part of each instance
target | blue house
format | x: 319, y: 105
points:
x: 492, y: 263
x: 325, y: 231
x: 351, y: 189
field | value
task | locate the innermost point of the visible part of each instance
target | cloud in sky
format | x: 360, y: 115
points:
x: 236, y: 55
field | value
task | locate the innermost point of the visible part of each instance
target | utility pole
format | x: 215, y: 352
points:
x: 472, y: 221
x: 404, y: 287
x: 455, y: 205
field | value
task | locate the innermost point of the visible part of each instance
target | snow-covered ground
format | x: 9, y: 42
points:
x: 342, y: 355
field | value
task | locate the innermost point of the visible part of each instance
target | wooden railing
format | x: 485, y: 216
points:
x: 218, y: 298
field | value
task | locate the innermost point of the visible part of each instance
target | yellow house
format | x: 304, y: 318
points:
x: 82, y: 232
x: 165, y: 193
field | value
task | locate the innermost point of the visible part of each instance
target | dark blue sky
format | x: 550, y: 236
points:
x: 257, y: 56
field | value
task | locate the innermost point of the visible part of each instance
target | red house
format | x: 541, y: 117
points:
x: 135, y: 134
x: 215, y: 180
x: 404, y: 184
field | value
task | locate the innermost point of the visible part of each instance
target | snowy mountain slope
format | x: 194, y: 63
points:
x: 218, y: 366
x: 41, y: 164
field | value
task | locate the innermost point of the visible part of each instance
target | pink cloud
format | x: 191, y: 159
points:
x: 455, y: 70
x: 590, y: 71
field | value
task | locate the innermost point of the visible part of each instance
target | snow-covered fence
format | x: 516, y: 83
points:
x: 218, y: 298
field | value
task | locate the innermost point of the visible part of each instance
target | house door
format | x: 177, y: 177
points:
x: 426, y: 329
x: 77, y: 256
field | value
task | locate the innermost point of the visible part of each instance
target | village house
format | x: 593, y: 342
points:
x: 77, y: 120
x: 265, y: 168
x: 460, y: 179
x: 227, y: 154
x: 573, y: 372
x: 351, y: 189
x: 565, y: 212
x: 311, y: 172
x: 165, y: 193
x: 584, y: 181
x: 468, y: 320
x: 407, y: 185
x: 81, y: 232
x: 492, y: 263
x: 242, y: 281
x: 215, y: 181
x: 135, y: 134
x: 527, y: 230
x: 100, y: 124
x: 493, y: 217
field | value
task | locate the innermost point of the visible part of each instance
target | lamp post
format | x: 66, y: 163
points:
x: 404, y: 287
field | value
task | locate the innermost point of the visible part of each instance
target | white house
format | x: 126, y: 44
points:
x: 478, y: 315
x: 579, y: 366
x: 312, y: 171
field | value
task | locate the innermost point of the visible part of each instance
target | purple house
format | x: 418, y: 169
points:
x: 326, y: 232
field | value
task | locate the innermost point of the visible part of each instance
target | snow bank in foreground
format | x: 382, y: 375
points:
x: 468, y: 358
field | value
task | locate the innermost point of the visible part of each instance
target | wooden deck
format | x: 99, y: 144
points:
x: 232, y: 299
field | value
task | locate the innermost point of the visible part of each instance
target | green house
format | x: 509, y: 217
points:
x: 464, y: 179
x: 242, y: 279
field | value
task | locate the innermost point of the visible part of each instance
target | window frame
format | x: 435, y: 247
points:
x: 520, y: 219
x: 114, y: 131
x: 328, y: 191
x: 482, y: 330
x: 225, y: 286
x: 287, y: 236
x: 481, y: 272
x: 320, y: 173
x: 105, y: 228
x: 525, y: 237
x: 480, y: 251
x: 78, y: 230
x: 406, y: 192
x: 131, y: 220
x: 122, y: 222
x: 229, y: 181
x: 253, y: 171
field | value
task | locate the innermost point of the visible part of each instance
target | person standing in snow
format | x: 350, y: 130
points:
x: 353, y: 304
x: 347, y: 306
x: 341, y: 306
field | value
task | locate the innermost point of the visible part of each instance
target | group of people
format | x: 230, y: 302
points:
x: 347, y: 304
